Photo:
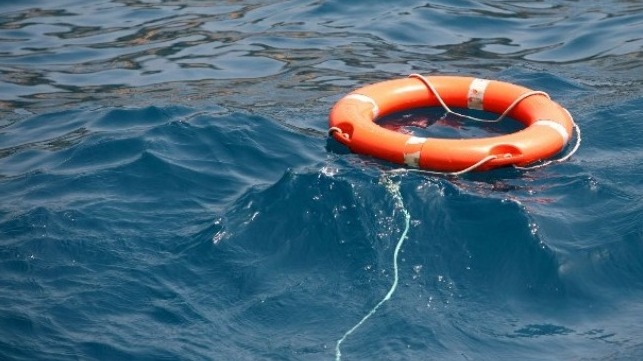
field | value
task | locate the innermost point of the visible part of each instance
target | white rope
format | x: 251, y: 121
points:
x: 394, y: 189
x: 428, y: 84
x: 457, y: 173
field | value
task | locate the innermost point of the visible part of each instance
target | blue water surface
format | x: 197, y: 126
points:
x: 168, y: 191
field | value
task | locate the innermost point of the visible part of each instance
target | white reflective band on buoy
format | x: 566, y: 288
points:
x: 365, y: 99
x: 475, y: 95
x: 413, y: 159
x: 416, y: 140
x: 556, y: 126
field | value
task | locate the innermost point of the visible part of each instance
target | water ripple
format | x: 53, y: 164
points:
x: 54, y: 49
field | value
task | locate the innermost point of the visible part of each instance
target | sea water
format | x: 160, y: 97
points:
x: 168, y: 190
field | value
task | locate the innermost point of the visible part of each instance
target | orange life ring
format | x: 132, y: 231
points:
x: 548, y: 126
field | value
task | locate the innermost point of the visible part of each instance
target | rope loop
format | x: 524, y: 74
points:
x: 433, y: 90
x: 333, y: 130
x: 511, y: 106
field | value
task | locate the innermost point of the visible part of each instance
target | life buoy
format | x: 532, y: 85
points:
x: 548, y: 126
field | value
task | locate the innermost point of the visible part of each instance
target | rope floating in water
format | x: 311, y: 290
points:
x: 394, y: 190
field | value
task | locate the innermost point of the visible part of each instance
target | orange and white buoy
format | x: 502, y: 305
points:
x: 548, y: 126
